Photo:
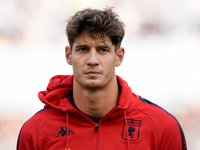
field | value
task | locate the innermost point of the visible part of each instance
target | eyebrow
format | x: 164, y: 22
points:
x: 103, y: 46
x: 98, y: 46
x: 81, y: 45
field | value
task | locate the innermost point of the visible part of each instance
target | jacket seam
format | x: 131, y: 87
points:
x: 154, y: 127
x: 42, y: 127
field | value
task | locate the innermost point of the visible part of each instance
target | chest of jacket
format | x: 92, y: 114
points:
x: 81, y: 133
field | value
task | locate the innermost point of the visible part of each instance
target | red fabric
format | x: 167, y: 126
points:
x: 60, y: 126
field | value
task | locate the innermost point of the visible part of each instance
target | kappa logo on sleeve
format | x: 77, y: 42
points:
x: 132, y: 130
x: 64, y: 132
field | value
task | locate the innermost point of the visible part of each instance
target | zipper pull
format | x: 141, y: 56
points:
x: 96, y: 127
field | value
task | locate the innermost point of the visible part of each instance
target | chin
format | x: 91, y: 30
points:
x: 93, y: 85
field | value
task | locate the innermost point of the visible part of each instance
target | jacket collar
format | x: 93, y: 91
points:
x: 61, y: 85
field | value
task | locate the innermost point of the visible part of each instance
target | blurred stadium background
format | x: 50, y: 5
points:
x: 162, y: 60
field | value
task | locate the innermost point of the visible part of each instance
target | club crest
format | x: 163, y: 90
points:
x: 132, y: 130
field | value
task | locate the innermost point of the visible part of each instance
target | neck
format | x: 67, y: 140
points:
x: 96, y: 102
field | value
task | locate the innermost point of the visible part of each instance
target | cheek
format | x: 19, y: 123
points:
x: 110, y: 66
x: 75, y: 66
x: 78, y: 66
x: 111, y: 62
x: 75, y: 61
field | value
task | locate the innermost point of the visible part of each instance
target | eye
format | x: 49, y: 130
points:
x: 82, y: 49
x: 104, y: 50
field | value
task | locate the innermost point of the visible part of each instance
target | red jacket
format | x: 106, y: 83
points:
x: 134, y: 124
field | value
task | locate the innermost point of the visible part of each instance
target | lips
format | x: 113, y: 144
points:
x: 93, y: 73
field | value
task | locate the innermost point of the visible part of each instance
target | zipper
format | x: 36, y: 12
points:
x: 96, y: 127
x: 97, y: 124
x: 97, y: 131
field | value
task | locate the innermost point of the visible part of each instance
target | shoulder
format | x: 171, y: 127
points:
x: 167, y: 127
x: 31, y: 128
x: 155, y: 112
x: 39, y: 118
x: 29, y: 133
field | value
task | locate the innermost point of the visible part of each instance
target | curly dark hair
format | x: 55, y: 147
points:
x: 99, y: 22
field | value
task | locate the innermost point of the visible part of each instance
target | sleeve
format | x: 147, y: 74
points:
x: 169, y: 132
x: 172, y: 136
x: 27, y: 139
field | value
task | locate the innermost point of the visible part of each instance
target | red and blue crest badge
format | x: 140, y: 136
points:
x: 132, y: 130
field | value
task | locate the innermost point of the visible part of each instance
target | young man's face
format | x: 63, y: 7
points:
x: 93, y: 61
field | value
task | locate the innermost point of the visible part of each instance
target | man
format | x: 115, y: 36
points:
x: 94, y: 109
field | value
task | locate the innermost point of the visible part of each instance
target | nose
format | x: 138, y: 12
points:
x: 92, y: 58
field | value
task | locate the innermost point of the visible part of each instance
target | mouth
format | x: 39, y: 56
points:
x: 92, y: 73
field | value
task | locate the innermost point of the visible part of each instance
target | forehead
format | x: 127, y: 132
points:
x: 96, y: 39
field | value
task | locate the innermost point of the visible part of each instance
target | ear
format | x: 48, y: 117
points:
x: 68, y: 55
x: 119, y: 56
